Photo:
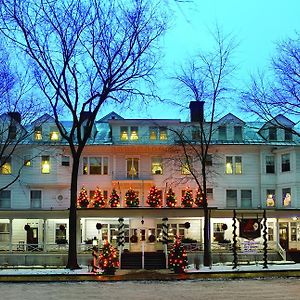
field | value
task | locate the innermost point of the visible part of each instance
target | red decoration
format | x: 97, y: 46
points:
x: 154, y: 197
x: 83, y: 200
x: 187, y: 199
x: 108, y: 259
x: 170, y: 198
x: 98, y: 199
x: 114, y: 199
x: 178, y: 257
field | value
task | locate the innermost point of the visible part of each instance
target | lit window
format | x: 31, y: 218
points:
x: 156, y: 167
x: 5, y: 199
x: 153, y: 133
x: 286, y: 197
x: 45, y: 164
x: 6, y: 165
x: 163, y: 133
x: 238, y: 165
x: 219, y: 232
x: 132, y: 168
x: 270, y: 198
x: 35, y: 199
x: 134, y: 133
x: 27, y: 161
x: 124, y: 133
x: 285, y: 163
x: 38, y: 133
x: 185, y: 169
x: 54, y: 134
x: 229, y: 165
x: 85, y: 166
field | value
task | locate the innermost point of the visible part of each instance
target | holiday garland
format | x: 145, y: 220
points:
x: 114, y: 199
x: 178, y: 257
x: 108, y: 259
x: 154, y: 197
x: 187, y: 199
x: 170, y: 198
x: 98, y: 199
x: 132, y: 199
x: 83, y: 200
x: 199, y: 198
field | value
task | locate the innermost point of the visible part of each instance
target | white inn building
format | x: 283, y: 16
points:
x: 251, y: 167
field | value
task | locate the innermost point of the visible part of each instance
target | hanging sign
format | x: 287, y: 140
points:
x: 250, y: 228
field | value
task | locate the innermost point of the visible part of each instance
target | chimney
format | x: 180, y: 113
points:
x: 196, y: 111
x: 15, y: 115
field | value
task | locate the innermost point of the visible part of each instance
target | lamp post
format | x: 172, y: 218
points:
x: 99, y: 227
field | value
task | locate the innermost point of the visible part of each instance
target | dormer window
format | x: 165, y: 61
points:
x: 124, y: 133
x: 158, y: 133
x: 272, y: 134
x: 134, y: 135
x: 288, y: 136
x: 54, y: 134
x: 153, y: 133
x: 38, y: 136
x: 222, y: 133
x: 163, y: 133
x: 238, y: 133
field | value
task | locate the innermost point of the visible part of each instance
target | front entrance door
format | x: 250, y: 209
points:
x: 32, y: 239
x: 284, y: 235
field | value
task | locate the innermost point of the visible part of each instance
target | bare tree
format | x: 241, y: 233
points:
x: 204, y: 78
x: 278, y: 90
x: 84, y: 54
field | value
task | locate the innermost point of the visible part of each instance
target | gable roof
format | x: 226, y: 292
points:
x: 279, y: 120
x: 111, y: 116
x: 230, y: 119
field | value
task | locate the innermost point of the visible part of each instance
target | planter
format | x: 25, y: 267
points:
x: 109, y: 271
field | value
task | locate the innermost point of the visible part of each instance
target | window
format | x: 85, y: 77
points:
x: 272, y: 134
x: 293, y: 226
x: 288, y: 136
x: 54, y: 134
x: 38, y: 133
x: 156, y: 166
x: 285, y: 163
x: 124, y: 133
x: 156, y: 133
x: 27, y: 161
x: 185, y: 168
x: 95, y: 165
x: 246, y: 198
x: 134, y: 134
x: 233, y: 164
x: 238, y: 133
x: 270, y: 198
x: 35, y: 199
x: 65, y: 160
x: 132, y: 168
x: 4, y: 232
x: 61, y: 233
x: 270, y: 164
x: 270, y: 231
x: 12, y: 132
x: 222, y: 133
x: 5, y: 199
x: 45, y: 164
x: 238, y: 165
x: 153, y: 133
x: 195, y: 134
x: 218, y: 232
x: 163, y: 133
x: 231, y: 198
x: 208, y: 161
x: 286, y: 197
x: 6, y: 165
x: 229, y: 165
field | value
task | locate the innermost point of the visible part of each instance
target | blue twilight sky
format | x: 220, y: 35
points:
x: 256, y: 24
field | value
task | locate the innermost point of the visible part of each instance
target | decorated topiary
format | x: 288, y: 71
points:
x: 132, y: 199
x: 199, y: 198
x: 114, y: 199
x: 98, y: 199
x: 83, y: 200
x: 108, y: 259
x: 178, y: 257
x: 171, y: 198
x: 154, y: 197
x: 187, y: 199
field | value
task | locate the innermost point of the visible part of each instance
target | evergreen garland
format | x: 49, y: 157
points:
x: 98, y: 199
x: 199, y: 198
x: 132, y: 199
x: 154, y: 197
x: 170, y: 198
x: 187, y: 199
x: 108, y: 259
x: 178, y: 257
x: 83, y: 200
x: 114, y: 199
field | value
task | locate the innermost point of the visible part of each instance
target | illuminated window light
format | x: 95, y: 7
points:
x: 38, y: 135
x: 163, y: 135
x: 6, y: 168
x: 134, y: 135
x: 228, y: 168
x: 124, y: 136
x: 45, y: 165
x: 54, y: 136
x: 153, y: 135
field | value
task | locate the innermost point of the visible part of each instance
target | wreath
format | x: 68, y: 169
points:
x: 151, y: 238
x: 133, y: 239
x: 62, y: 227
x: 27, y: 227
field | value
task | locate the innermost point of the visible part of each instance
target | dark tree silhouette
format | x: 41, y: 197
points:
x: 85, y: 53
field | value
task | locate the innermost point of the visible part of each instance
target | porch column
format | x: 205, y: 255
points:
x: 10, y: 235
x: 78, y: 233
x: 121, y: 238
x: 165, y: 238
x: 45, y: 235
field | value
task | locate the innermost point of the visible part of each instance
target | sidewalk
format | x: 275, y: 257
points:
x: 215, y: 272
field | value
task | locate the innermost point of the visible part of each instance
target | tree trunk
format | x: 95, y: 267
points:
x: 72, y: 255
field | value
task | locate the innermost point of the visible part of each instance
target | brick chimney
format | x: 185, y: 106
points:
x: 15, y: 115
x: 196, y: 111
